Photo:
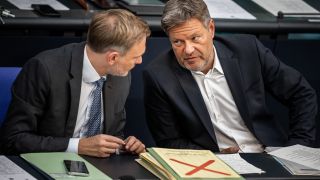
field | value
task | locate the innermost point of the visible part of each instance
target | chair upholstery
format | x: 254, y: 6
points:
x: 7, y: 77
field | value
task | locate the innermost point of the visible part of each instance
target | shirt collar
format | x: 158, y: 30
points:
x: 216, y: 65
x: 89, y: 74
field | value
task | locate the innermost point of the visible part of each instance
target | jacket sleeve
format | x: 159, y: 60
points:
x: 19, y: 133
x: 289, y: 87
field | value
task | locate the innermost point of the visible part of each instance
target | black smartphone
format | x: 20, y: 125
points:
x: 45, y: 10
x: 76, y: 168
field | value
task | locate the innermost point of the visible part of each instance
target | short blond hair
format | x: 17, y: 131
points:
x: 116, y: 29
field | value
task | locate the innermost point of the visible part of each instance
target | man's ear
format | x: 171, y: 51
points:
x: 212, y: 28
x: 112, y: 57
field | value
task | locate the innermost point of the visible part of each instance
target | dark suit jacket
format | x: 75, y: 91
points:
x: 45, y: 99
x: 177, y: 115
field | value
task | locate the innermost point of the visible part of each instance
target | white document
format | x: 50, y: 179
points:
x: 297, y: 169
x: 26, y: 4
x: 303, y: 155
x: 239, y: 164
x: 271, y: 148
x: 9, y: 170
x: 227, y: 9
x: 286, y: 6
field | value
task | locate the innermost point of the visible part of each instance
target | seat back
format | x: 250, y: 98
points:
x: 7, y: 77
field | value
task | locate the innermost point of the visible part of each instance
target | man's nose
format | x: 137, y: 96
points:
x: 189, y: 48
x: 139, y: 60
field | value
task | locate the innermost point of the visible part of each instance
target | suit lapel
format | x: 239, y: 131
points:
x: 231, y: 68
x: 76, y: 65
x: 108, y: 101
x: 192, y: 91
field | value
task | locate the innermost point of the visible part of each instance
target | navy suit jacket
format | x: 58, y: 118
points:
x: 45, y: 101
x: 177, y: 115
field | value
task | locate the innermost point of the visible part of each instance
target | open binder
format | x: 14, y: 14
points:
x: 186, y: 164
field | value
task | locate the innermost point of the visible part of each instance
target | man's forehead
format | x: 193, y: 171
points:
x: 186, y: 29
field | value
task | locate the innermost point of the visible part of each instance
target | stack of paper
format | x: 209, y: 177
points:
x: 299, y: 160
x: 185, y: 164
x: 239, y: 164
x: 148, y: 162
x: 9, y: 170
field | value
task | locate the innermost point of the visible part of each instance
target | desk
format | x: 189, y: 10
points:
x: 120, y: 165
x: 124, y: 165
x: 117, y: 166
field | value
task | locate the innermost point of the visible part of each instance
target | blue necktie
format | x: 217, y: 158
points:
x: 95, y: 110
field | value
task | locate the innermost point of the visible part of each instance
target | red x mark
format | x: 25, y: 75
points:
x: 201, y: 167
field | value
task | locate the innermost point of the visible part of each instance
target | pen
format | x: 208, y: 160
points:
x: 120, y: 151
x: 7, y: 13
x: 2, y: 21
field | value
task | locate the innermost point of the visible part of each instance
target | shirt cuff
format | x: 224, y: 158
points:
x: 73, y: 145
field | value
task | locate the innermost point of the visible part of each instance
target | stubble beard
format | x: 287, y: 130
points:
x: 200, y: 67
x: 117, y: 71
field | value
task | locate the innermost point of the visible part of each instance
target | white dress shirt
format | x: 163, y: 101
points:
x: 228, y: 125
x: 89, y: 76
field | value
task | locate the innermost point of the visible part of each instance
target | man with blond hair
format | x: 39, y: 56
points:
x: 73, y: 98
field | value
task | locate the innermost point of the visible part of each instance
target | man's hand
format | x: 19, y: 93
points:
x: 134, y: 145
x: 230, y: 150
x: 100, y: 145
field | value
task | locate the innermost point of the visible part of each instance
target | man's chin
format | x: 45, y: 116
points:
x: 192, y: 68
x: 195, y: 66
x: 120, y: 74
x: 123, y: 74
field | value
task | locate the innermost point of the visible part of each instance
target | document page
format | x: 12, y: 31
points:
x: 239, y: 164
x: 286, y: 6
x: 195, y: 163
x: 303, y: 155
x: 9, y: 170
x: 297, y: 169
x: 26, y: 4
x: 227, y: 9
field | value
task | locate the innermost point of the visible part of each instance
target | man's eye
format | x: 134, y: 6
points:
x: 196, y: 38
x: 177, y: 43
